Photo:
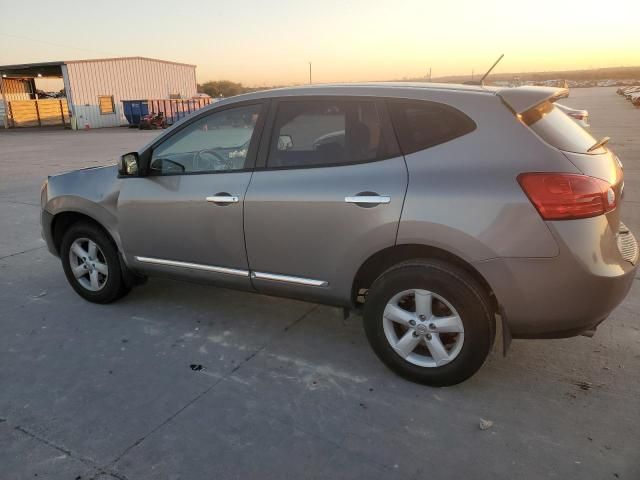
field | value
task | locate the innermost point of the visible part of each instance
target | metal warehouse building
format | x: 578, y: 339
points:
x: 93, y: 90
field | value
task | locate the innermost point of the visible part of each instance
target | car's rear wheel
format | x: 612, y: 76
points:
x: 429, y: 321
x: 91, y: 264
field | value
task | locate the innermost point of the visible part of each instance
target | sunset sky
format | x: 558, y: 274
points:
x: 271, y: 42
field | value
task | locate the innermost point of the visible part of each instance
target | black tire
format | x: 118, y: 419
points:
x: 461, y: 290
x: 115, y: 287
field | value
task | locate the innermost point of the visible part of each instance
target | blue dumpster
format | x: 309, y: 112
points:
x: 134, y: 110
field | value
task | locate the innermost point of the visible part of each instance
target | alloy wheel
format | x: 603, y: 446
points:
x: 423, y: 328
x: 88, y: 264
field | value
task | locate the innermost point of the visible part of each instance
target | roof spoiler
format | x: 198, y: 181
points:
x: 521, y: 99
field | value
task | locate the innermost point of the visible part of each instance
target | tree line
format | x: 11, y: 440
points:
x: 224, y: 88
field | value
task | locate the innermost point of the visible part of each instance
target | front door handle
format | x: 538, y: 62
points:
x: 368, y: 199
x: 222, y: 198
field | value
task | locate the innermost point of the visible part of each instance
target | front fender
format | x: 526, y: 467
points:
x: 92, y: 192
x: 97, y: 212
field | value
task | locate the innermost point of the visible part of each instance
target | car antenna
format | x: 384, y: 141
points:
x: 481, y: 81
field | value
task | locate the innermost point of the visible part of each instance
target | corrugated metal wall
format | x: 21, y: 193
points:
x: 125, y: 79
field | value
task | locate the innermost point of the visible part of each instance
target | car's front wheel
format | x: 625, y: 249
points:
x: 91, y: 264
x: 429, y: 321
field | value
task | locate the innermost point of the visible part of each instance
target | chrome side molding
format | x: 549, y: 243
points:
x: 193, y: 266
x: 310, y: 282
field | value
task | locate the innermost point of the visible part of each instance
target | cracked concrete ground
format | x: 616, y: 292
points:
x: 287, y: 389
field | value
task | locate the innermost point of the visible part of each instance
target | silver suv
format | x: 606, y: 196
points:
x: 434, y: 209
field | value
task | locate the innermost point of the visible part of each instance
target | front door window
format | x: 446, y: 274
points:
x: 217, y: 142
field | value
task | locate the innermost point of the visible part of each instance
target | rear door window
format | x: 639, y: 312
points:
x: 329, y: 132
x: 558, y: 129
x: 422, y: 124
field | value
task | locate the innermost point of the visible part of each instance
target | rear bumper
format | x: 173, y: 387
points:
x: 568, y: 294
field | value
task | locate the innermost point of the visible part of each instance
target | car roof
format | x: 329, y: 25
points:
x: 394, y: 85
x: 519, y: 99
x: 394, y: 89
x: 365, y: 88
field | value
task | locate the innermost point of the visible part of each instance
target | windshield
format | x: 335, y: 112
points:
x: 558, y: 129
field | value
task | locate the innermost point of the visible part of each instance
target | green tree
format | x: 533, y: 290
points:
x: 224, y: 88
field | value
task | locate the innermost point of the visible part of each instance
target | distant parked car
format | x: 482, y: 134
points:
x: 581, y: 117
x: 623, y: 90
x: 432, y: 209
x: 620, y: 90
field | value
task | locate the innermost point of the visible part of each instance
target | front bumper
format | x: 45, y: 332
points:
x: 46, y: 219
x: 568, y: 294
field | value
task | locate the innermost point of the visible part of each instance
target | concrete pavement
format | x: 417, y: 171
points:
x: 184, y: 381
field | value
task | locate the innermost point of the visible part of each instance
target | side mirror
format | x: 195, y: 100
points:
x: 128, y: 165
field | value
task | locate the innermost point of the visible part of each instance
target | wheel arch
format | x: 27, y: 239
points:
x: 62, y: 221
x: 384, y: 259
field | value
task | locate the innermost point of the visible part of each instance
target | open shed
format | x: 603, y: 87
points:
x: 91, y: 91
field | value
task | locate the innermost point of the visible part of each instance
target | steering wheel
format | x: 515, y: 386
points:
x: 212, y: 160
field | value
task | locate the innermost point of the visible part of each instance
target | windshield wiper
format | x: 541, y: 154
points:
x: 598, y: 144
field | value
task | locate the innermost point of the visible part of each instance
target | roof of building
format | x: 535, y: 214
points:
x: 52, y: 66
x: 128, y: 58
x: 46, y: 69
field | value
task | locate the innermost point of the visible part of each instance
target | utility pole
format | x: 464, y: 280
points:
x: 429, y: 74
x: 472, y: 74
x: 309, y: 73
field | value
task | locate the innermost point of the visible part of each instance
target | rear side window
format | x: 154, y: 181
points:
x: 421, y: 124
x: 558, y: 129
x: 328, y: 132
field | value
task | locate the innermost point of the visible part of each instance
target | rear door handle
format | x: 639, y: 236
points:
x: 222, y: 198
x: 368, y: 200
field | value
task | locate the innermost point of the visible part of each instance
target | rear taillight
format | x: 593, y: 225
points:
x: 578, y: 116
x: 567, y: 196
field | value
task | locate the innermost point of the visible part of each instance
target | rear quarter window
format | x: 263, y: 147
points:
x: 558, y: 129
x: 421, y: 124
